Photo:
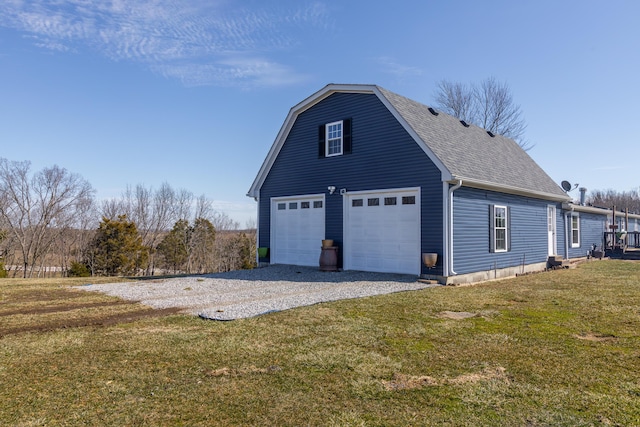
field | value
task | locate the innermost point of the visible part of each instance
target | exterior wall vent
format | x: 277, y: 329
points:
x: 465, y: 124
x: 432, y: 111
x: 491, y: 134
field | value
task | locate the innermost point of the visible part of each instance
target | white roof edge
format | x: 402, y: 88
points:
x: 312, y: 100
x: 595, y: 210
x: 511, y: 190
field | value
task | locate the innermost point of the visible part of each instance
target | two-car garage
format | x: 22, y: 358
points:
x: 381, y: 230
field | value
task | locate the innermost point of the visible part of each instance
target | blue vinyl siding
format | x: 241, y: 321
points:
x: 384, y: 156
x: 528, y: 228
x: 591, y: 232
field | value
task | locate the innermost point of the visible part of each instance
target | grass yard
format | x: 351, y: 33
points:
x: 559, y: 348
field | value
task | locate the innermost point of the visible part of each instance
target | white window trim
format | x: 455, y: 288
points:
x: 505, y: 228
x: 575, y: 244
x: 327, y: 139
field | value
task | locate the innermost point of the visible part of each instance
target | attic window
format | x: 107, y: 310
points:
x: 432, y: 111
x: 465, y: 124
x: 491, y: 134
x: 334, y: 138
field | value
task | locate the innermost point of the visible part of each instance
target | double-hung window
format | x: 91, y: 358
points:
x: 500, y: 228
x: 575, y: 230
x: 334, y: 139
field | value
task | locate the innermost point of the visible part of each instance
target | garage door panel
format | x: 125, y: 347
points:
x: 383, y: 236
x: 298, y: 230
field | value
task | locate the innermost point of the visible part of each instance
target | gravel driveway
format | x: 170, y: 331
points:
x: 248, y: 293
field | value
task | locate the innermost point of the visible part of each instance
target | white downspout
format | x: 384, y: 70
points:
x: 451, y: 190
x: 567, y: 230
x: 257, y: 199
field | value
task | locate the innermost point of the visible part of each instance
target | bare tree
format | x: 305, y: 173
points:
x: 184, y: 204
x: 250, y: 224
x: 488, y: 105
x: 112, y: 208
x: 222, y: 222
x: 456, y: 99
x: 36, y: 209
x: 74, y: 240
x: 204, y: 208
x: 621, y: 200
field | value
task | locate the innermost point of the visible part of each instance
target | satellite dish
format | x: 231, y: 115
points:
x: 566, y: 186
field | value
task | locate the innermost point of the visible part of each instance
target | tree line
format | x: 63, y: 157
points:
x: 50, y: 221
x: 622, y: 200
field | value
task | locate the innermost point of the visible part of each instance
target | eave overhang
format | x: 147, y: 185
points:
x: 517, y: 191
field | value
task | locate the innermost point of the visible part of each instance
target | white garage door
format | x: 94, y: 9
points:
x: 297, y: 230
x: 382, y: 231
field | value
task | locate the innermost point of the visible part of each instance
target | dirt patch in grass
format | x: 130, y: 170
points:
x: 233, y: 372
x: 590, y: 336
x: 102, y: 321
x: 32, y: 295
x: 408, y: 382
x: 62, y: 308
x: 36, y: 304
x: 456, y: 315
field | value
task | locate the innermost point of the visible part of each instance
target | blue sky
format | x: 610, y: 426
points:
x: 193, y: 92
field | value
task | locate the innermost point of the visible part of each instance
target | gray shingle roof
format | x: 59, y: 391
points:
x: 466, y: 153
x: 471, y: 153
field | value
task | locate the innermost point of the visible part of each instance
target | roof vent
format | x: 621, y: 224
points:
x: 491, y: 134
x: 432, y: 111
x: 465, y: 124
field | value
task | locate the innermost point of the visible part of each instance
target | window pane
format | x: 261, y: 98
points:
x: 335, y: 146
x: 282, y: 206
x: 575, y: 230
x: 501, y: 217
x: 409, y: 200
x: 373, y: 202
x: 293, y: 205
x: 356, y: 202
x: 317, y: 204
x: 390, y: 201
x: 334, y: 138
x: 334, y: 131
x: 501, y: 239
x: 304, y: 205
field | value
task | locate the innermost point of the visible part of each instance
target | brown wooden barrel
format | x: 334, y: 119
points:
x: 329, y: 258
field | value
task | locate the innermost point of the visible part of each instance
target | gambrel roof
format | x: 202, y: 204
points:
x: 460, y: 151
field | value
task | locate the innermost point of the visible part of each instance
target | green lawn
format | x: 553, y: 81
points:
x: 559, y: 348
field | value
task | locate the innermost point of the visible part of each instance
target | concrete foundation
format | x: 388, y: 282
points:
x: 483, y: 276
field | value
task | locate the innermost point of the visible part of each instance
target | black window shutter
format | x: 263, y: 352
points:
x: 492, y: 229
x: 346, y: 136
x: 321, y: 141
x: 508, y: 228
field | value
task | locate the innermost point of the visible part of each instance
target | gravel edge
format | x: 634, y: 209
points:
x: 248, y: 293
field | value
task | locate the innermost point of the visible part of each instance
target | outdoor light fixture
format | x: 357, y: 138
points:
x: 332, y: 189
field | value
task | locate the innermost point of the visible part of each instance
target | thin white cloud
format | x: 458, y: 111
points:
x: 390, y: 66
x: 199, y: 42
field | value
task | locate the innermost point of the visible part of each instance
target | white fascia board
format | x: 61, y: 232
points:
x: 595, y: 210
x: 483, y: 185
